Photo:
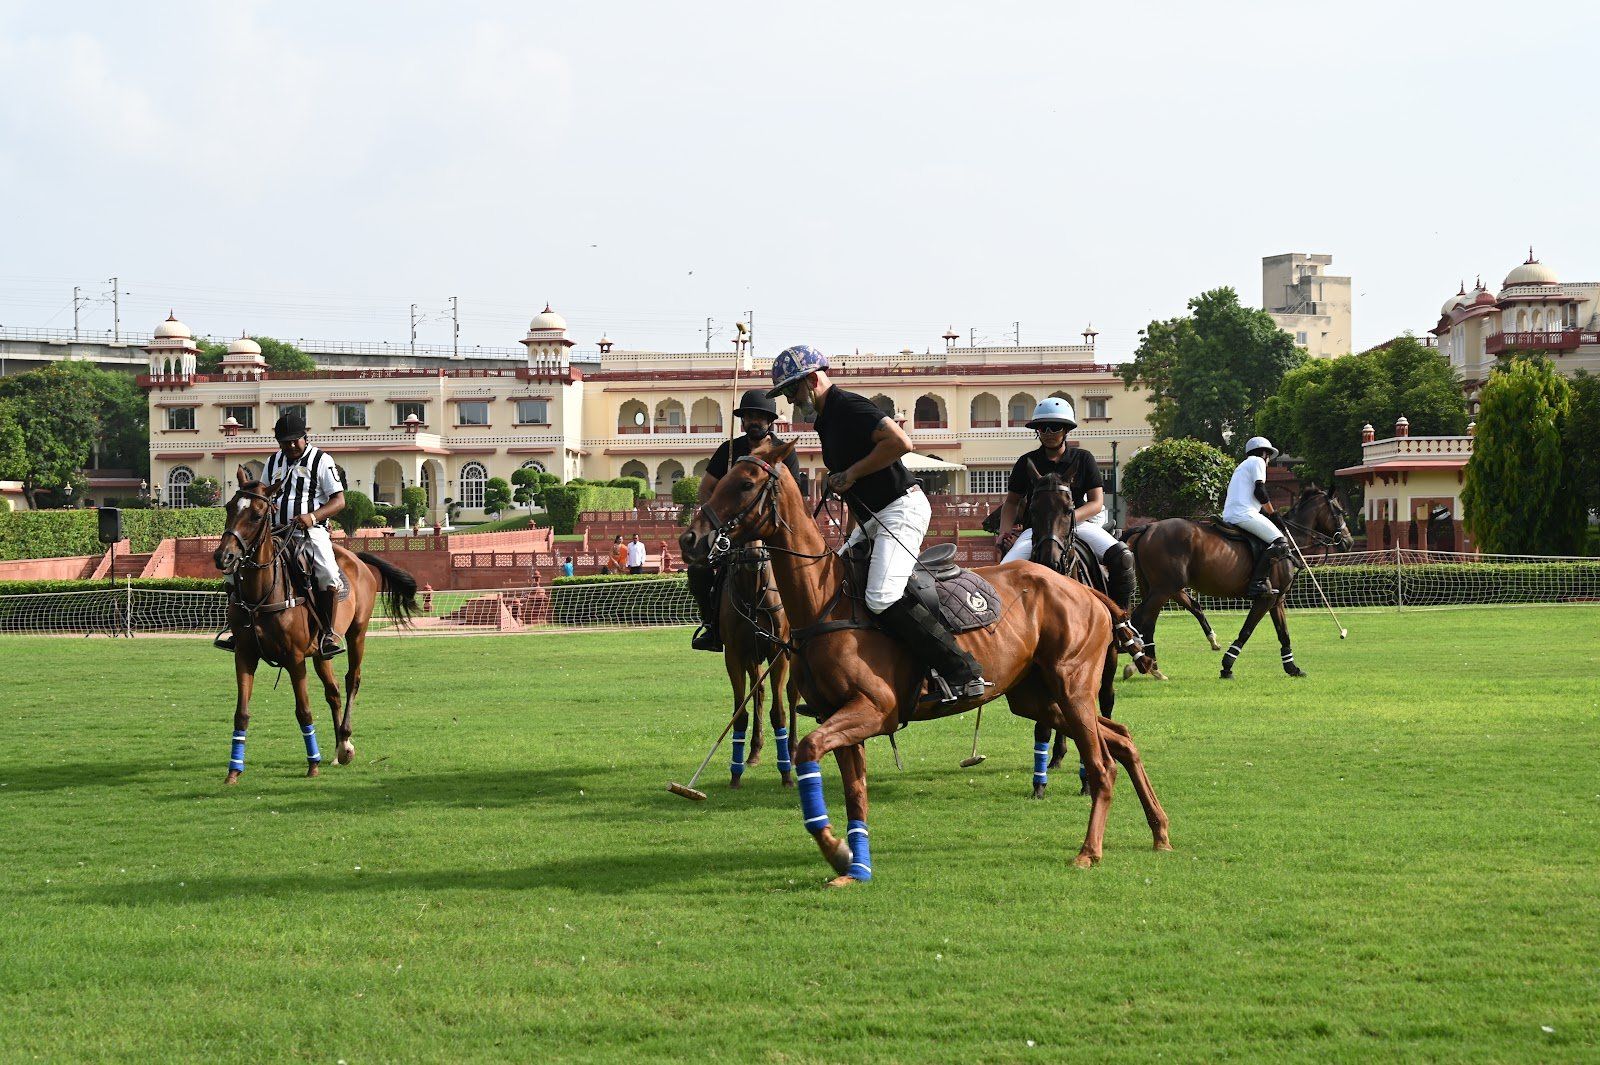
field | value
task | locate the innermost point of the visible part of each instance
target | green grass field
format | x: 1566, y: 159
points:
x: 1397, y: 858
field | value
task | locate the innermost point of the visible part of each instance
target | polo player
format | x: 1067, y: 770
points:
x: 1247, y: 507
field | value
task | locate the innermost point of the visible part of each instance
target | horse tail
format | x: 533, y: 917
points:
x: 1123, y: 634
x: 399, y: 587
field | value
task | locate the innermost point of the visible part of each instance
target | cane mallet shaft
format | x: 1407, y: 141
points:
x: 976, y: 758
x: 689, y: 791
x: 1343, y: 632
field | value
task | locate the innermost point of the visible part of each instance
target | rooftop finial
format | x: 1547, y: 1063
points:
x: 1531, y: 259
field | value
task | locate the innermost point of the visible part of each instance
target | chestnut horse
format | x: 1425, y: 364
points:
x: 754, y: 633
x: 1176, y: 553
x: 272, y: 621
x: 1046, y: 653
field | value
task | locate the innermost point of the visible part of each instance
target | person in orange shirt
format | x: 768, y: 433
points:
x: 619, y: 556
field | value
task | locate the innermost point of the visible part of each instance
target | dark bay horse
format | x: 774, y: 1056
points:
x: 1175, y: 554
x: 1047, y: 654
x: 754, y: 630
x: 273, y: 621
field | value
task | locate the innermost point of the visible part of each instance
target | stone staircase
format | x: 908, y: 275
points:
x: 129, y: 565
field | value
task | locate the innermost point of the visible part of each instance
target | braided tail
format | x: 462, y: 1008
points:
x: 1124, y: 635
x: 399, y: 588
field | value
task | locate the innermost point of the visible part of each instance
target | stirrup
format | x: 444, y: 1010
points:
x: 224, y: 640
x: 329, y: 646
x: 941, y: 690
x: 705, y: 639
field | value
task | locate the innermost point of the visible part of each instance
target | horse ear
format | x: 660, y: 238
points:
x: 244, y: 478
x: 1033, y: 470
x: 778, y: 454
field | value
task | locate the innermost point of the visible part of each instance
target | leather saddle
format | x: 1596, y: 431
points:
x: 301, y: 560
x: 959, y: 597
x: 1229, y: 531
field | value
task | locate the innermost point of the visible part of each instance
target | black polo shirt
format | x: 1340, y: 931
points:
x: 742, y: 446
x: 1077, y: 469
x: 845, y: 424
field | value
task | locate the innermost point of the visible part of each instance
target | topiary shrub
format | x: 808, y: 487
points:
x: 414, y: 504
x: 565, y: 502
x: 637, y: 485
x: 1176, y: 479
x: 205, y: 492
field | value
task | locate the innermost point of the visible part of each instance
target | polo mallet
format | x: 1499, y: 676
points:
x: 975, y: 758
x: 689, y: 791
x: 1343, y: 632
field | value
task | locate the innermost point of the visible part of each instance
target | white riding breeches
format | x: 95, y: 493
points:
x: 326, y: 569
x: 1256, y: 524
x: 1092, y: 532
x: 896, y: 534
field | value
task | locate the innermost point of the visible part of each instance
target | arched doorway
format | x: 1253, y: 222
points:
x: 1019, y: 408
x: 929, y: 413
x: 635, y: 468
x: 668, y: 474
x: 705, y: 416
x: 985, y: 411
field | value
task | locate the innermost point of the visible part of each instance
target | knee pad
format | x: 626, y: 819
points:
x: 1119, y: 557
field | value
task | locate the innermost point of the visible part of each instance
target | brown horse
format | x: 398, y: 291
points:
x: 272, y: 621
x: 1046, y: 653
x: 754, y: 632
x: 1176, y: 553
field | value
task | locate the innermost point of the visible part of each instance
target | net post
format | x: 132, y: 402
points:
x: 1399, y: 582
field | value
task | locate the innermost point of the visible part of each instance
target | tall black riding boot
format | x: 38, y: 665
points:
x: 926, y: 637
x: 1122, y: 581
x: 224, y: 640
x: 1259, y: 585
x: 329, y: 645
x: 706, y: 589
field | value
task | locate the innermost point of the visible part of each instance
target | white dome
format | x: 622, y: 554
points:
x: 547, y: 320
x: 244, y: 346
x: 1455, y: 301
x: 172, y: 329
x: 1532, y: 272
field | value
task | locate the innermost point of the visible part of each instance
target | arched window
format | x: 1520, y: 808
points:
x: 1522, y: 321
x: 884, y: 403
x: 700, y: 468
x: 669, y: 417
x: 535, y: 465
x: 1020, y: 408
x: 929, y: 413
x: 633, y: 417
x: 635, y: 468
x: 985, y: 411
x: 179, y: 478
x: 705, y: 416
x: 473, y: 477
x: 669, y: 474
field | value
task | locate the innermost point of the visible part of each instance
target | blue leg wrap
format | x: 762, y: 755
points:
x: 860, y: 851
x: 812, y: 809
x: 236, y: 759
x: 737, y: 766
x: 782, y: 737
x: 1041, y: 762
x: 310, y: 734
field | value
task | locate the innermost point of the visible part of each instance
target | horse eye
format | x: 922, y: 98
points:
x: 747, y: 486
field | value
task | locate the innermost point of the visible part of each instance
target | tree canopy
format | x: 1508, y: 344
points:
x: 281, y: 356
x: 1209, y: 371
x: 1583, y: 438
x: 72, y: 415
x: 1317, y: 412
x: 1521, y: 495
x: 1176, y: 479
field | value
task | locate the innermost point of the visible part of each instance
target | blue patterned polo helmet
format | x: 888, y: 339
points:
x: 793, y: 364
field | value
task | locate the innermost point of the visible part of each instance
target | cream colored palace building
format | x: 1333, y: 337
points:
x: 649, y: 414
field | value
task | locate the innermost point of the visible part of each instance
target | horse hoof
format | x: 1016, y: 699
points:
x: 754, y: 759
x: 233, y: 777
x: 788, y: 781
x: 1215, y: 646
x: 1295, y: 672
x: 1156, y: 673
x: 1038, y: 791
x: 735, y: 782
x: 347, y: 753
x: 1226, y: 674
x: 844, y: 881
x: 1127, y: 671
x: 1163, y: 845
x: 312, y: 770
x: 1085, y: 861
x: 840, y: 858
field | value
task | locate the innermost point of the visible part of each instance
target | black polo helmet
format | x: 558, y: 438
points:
x: 756, y: 401
x: 290, y: 426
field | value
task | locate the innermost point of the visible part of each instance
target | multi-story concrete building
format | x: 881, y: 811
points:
x: 1307, y: 303
x: 1534, y: 311
x: 650, y: 414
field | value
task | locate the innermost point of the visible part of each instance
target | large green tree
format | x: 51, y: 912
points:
x: 1209, y: 372
x: 1317, y: 412
x: 13, y: 445
x: 59, y: 411
x: 1520, y: 495
x: 1583, y: 438
x: 281, y: 356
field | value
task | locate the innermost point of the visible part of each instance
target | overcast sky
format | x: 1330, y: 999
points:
x: 858, y: 175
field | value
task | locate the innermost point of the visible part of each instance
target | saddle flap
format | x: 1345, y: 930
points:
x: 967, y: 601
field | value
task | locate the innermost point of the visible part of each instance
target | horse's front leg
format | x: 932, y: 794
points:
x: 854, y: 722
x: 853, y: 769
x: 1280, y: 621
x: 756, y: 705
x: 330, y: 692
x: 782, y: 696
x: 1258, y: 609
x: 741, y: 720
x: 1188, y: 603
x: 302, y: 713
x: 244, y: 676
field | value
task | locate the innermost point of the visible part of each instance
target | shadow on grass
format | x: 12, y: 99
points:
x: 593, y: 874
x: 41, y: 778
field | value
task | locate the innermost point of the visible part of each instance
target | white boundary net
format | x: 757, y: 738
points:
x: 1394, y: 579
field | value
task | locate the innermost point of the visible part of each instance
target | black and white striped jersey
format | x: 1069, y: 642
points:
x: 307, y: 484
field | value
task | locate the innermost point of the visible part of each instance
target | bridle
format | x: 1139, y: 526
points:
x: 765, y: 497
x: 247, y: 556
x: 1064, y: 558
x: 1316, y: 536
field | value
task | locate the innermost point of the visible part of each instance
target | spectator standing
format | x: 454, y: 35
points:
x: 619, y: 555
x: 636, y: 555
x: 566, y: 566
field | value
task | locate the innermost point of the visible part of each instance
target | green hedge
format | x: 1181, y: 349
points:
x: 64, y: 533
x: 160, y: 584
x: 1442, y: 584
x: 565, y: 502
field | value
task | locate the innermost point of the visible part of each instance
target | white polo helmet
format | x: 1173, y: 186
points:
x: 1259, y: 442
x: 1053, y: 410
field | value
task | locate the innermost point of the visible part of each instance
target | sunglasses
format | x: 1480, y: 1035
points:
x: 1053, y: 430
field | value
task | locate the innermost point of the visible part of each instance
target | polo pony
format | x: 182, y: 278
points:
x: 754, y: 633
x: 272, y: 620
x: 1047, y: 653
x: 1175, y: 554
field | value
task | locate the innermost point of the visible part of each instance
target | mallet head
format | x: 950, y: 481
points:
x: 687, y: 792
x: 977, y: 759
